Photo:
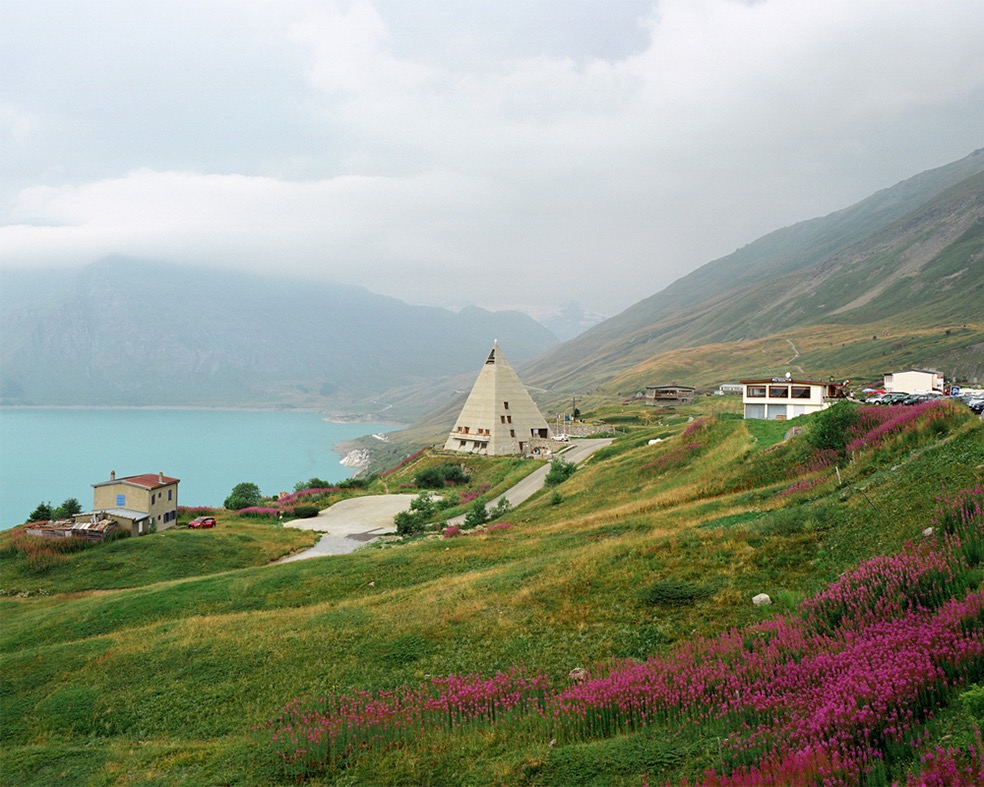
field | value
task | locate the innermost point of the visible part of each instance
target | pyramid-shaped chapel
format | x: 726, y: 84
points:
x: 499, y: 417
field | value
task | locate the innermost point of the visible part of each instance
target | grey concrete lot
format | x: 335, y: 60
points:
x: 349, y: 524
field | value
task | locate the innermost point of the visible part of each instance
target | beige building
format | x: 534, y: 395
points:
x: 670, y: 394
x: 499, y: 417
x: 914, y: 381
x: 143, y: 503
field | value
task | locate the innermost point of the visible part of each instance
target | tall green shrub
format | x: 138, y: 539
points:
x: 243, y: 495
x: 560, y: 471
x: 828, y: 430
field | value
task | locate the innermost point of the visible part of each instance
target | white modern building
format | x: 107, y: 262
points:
x: 914, y: 381
x: 783, y: 398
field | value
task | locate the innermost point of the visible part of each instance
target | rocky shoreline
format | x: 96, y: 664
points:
x: 358, y: 458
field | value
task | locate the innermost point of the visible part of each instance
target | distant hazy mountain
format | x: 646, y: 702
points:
x: 571, y: 319
x: 126, y: 332
x: 912, y: 254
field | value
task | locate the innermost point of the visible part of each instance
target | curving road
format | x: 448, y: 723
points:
x: 352, y: 523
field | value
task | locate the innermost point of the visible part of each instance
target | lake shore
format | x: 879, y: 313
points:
x: 328, y: 417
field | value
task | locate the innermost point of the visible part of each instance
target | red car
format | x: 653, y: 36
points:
x: 202, y: 521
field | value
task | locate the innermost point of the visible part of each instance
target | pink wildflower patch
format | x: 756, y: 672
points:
x: 826, y: 695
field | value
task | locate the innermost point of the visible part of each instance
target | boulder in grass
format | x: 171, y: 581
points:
x: 578, y: 675
x: 928, y: 531
x: 761, y: 600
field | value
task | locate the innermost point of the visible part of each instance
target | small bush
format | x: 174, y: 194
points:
x: 440, y: 476
x: 304, y: 512
x: 477, y: 515
x: 408, y: 523
x: 452, y: 531
x: 500, y: 509
x: 674, y: 593
x: 42, y: 513
x: 830, y: 429
x: 972, y: 701
x: 356, y: 483
x: 243, y: 495
x: 560, y: 471
x: 423, y: 505
x: 260, y: 512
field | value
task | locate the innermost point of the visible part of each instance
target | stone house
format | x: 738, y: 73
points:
x: 143, y: 503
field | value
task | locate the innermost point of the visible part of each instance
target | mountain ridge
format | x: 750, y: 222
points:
x: 751, y: 293
x: 128, y: 332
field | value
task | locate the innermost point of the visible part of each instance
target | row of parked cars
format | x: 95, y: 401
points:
x: 974, y: 401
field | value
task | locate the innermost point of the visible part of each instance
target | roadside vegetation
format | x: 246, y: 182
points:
x: 459, y: 659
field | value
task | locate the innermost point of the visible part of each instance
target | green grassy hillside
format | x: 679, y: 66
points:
x: 176, y: 674
x: 908, y: 257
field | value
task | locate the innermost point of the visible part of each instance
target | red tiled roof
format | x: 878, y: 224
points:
x: 146, y: 481
x: 149, y: 480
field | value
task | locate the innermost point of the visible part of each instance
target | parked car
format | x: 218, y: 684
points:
x: 977, y: 405
x: 202, y: 522
x: 893, y: 398
x: 916, y: 399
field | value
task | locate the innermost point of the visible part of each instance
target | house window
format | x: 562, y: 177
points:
x: 152, y: 498
x: 509, y: 418
x: 169, y: 491
x: 505, y: 405
x: 800, y: 392
x: 778, y: 391
x: 502, y: 419
x: 512, y: 432
x: 756, y: 391
x: 121, y: 501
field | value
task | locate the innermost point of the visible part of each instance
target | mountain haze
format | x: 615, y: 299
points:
x: 126, y: 332
x: 912, y: 255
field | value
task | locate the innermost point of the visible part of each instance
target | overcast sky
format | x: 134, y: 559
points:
x: 516, y: 153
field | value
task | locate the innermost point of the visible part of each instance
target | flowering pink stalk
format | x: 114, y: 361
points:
x: 827, y: 695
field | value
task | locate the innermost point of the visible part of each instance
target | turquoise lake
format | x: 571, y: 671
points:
x: 52, y: 454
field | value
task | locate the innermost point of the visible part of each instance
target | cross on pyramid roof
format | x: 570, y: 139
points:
x: 499, y: 417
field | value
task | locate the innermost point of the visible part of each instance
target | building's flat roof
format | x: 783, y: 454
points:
x: 779, y: 380
x: 916, y: 371
x: 122, y: 513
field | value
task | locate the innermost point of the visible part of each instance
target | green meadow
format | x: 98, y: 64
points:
x: 159, y: 660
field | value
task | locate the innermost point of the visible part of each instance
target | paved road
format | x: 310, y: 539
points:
x: 349, y: 524
x: 577, y: 453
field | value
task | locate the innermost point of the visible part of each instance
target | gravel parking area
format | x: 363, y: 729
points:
x: 349, y: 524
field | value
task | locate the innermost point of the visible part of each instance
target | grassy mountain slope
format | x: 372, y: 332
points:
x: 912, y: 254
x: 642, y: 549
x: 895, y: 281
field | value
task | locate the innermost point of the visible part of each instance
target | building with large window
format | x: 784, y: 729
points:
x: 782, y: 398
